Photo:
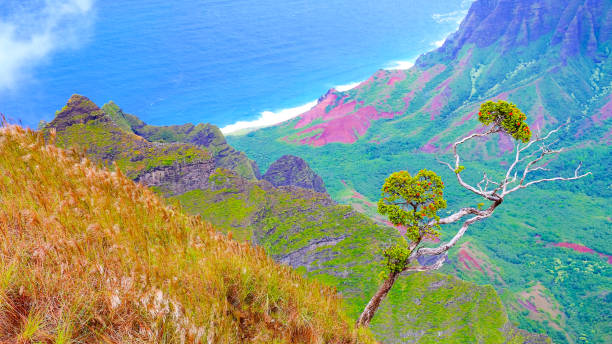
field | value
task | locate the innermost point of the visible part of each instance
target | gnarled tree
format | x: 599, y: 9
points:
x: 414, y: 201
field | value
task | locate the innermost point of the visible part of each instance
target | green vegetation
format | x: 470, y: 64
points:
x: 511, y: 233
x: 87, y: 255
x: 507, y: 117
x: 412, y: 202
x: 327, y: 242
x: 551, y: 91
x: 205, y: 136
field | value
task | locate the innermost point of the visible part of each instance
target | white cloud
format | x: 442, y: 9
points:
x: 30, y: 34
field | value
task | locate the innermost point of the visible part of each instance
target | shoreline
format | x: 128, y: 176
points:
x: 268, y: 118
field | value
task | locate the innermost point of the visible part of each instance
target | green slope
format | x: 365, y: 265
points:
x: 555, y: 66
x: 89, y: 256
x: 307, y: 230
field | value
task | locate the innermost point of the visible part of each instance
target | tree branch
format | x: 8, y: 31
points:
x: 435, y: 266
x: 482, y: 214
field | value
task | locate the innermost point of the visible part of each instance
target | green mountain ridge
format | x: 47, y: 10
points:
x: 204, y: 135
x: 300, y: 227
x: 552, y: 59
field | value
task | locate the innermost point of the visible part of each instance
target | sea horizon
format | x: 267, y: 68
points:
x: 230, y: 63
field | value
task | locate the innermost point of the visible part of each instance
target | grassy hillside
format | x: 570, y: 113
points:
x: 548, y: 247
x: 88, y: 256
x: 308, y: 231
x: 304, y: 229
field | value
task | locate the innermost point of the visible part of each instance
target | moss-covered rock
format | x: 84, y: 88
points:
x: 204, y: 135
x: 293, y: 170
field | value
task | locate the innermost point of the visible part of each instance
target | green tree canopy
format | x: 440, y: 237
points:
x: 506, y: 117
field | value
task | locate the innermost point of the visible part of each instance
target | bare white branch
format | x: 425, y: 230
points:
x: 435, y: 266
x: 532, y: 165
x: 456, y: 168
x: 480, y: 214
x: 457, y: 216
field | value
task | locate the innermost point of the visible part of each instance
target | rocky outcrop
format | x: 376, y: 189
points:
x: 78, y: 110
x: 204, y: 135
x: 293, y: 170
x: 174, y: 167
x: 180, y: 178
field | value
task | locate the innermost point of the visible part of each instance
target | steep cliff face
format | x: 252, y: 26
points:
x: 206, y: 135
x: 293, y: 170
x: 178, y: 179
x: 578, y: 26
x: 552, y: 58
x: 82, y: 124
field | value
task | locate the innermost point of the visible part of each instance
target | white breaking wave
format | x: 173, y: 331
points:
x: 401, y: 65
x: 270, y: 118
x: 439, y: 43
x: 29, y: 36
x: 267, y: 118
x: 342, y: 88
x: 450, y: 17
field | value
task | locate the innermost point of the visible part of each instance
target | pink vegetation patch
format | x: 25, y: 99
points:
x: 465, y: 257
x: 344, y: 123
x: 362, y: 198
x: 430, y: 74
x: 505, y: 143
x: 343, y: 128
x: 319, y: 110
x: 437, y: 103
x: 583, y: 249
x: 408, y: 98
x: 422, y: 80
x: 430, y: 146
x: 465, y: 118
x: 604, y: 113
x: 539, y: 121
x: 608, y: 137
x: 575, y: 247
x: 530, y: 306
x: 396, y: 76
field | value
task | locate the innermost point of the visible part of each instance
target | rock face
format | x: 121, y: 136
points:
x: 172, y: 167
x: 78, y: 110
x: 204, y: 135
x: 576, y: 25
x: 179, y: 178
x: 293, y: 170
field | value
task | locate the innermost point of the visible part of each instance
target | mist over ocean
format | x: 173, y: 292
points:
x: 172, y: 62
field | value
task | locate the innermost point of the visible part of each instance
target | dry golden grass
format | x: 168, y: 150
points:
x: 88, y: 256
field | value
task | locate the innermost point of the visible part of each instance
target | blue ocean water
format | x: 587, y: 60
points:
x: 221, y: 61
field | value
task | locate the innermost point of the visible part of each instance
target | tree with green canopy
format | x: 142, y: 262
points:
x: 413, y: 201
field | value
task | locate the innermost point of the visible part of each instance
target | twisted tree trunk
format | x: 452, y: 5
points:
x: 372, y: 306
